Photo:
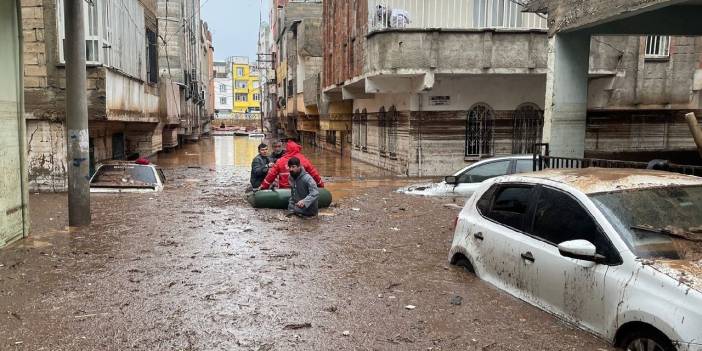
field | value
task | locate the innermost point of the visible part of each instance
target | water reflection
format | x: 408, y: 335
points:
x: 239, y: 151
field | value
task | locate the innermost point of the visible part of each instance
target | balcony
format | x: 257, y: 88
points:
x: 451, y: 15
x: 424, y: 38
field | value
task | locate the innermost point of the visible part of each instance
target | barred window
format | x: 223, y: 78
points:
x: 392, y: 123
x: 382, y: 137
x: 657, y: 46
x: 364, y: 129
x: 527, y: 127
x: 356, y: 132
x: 480, y: 133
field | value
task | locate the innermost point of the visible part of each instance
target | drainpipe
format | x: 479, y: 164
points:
x: 695, y: 130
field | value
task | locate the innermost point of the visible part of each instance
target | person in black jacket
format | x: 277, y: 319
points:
x: 278, y: 151
x: 260, y: 165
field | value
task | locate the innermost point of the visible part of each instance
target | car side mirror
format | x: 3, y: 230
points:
x: 580, y: 250
x: 453, y: 180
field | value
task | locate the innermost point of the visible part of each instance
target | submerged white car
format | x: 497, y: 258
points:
x: 617, y: 252
x: 465, y: 181
x: 119, y: 177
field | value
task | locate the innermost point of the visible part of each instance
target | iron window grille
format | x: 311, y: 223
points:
x: 382, y: 130
x: 527, y: 128
x: 480, y: 131
x: 657, y: 47
x: 392, y: 124
x: 364, y: 130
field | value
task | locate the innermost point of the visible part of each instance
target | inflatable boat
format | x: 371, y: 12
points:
x: 279, y: 198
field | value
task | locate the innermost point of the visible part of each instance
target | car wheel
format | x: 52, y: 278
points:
x: 647, y: 340
x: 462, y: 261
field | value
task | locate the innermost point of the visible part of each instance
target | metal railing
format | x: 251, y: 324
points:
x: 451, y: 14
x: 545, y: 161
x: 657, y: 46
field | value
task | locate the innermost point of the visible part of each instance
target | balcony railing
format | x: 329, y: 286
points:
x: 451, y: 14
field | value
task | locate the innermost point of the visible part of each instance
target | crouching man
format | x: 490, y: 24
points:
x: 304, y: 194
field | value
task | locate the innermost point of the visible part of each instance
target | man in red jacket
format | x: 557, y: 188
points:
x: 280, y: 169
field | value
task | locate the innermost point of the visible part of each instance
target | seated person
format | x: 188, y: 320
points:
x: 304, y: 194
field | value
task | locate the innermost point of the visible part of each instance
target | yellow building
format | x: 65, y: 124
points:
x: 247, y: 90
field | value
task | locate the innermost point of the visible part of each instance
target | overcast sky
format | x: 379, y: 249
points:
x: 234, y: 26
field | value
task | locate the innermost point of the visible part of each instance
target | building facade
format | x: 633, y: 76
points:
x: 135, y: 105
x: 14, y: 218
x: 223, y: 87
x: 247, y: 89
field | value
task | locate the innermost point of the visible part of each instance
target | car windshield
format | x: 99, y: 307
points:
x: 124, y: 176
x: 659, y: 222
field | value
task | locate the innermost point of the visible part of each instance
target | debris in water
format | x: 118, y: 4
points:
x: 355, y: 209
x: 454, y: 206
x: 346, y: 333
x: 295, y: 326
x: 410, y: 307
x: 395, y: 229
x: 456, y: 300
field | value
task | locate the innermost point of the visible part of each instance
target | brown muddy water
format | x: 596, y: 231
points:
x: 195, y: 268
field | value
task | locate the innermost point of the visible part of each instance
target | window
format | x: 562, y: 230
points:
x: 151, y: 57
x: 240, y: 71
x: 223, y: 101
x: 331, y: 137
x: 392, y: 124
x: 112, y: 30
x: 560, y: 217
x: 223, y: 88
x: 657, y: 46
x: 356, y: 132
x: 364, y: 129
x: 527, y: 127
x: 524, y: 166
x: 241, y: 84
x: 256, y: 97
x: 484, y: 172
x: 382, y: 137
x: 511, y: 205
x: 479, y: 131
x: 497, y: 14
x: 256, y: 84
x: 242, y: 97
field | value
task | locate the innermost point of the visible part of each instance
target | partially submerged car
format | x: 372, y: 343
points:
x: 465, y: 181
x: 617, y: 252
x: 117, y: 177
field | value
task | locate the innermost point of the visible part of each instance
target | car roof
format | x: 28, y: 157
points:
x: 124, y: 163
x: 600, y: 180
x: 493, y: 159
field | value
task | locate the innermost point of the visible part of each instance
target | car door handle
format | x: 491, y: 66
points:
x: 528, y: 256
x: 479, y: 236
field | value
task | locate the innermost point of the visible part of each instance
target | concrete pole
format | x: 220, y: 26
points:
x: 76, y: 116
x: 695, y: 130
x: 565, y: 112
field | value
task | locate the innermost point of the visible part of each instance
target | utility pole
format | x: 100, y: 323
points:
x: 78, y: 142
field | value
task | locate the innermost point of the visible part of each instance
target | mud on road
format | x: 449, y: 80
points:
x: 195, y: 268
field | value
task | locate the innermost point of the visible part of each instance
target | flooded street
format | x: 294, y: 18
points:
x: 196, y: 268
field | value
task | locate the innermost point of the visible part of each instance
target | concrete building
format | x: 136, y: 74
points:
x: 247, y: 89
x: 267, y: 77
x: 297, y: 59
x: 185, y: 49
x: 223, y: 90
x: 423, y: 90
x: 122, y: 87
x: 606, y: 93
x: 14, y: 218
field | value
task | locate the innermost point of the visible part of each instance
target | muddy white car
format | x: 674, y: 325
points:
x: 465, y: 181
x: 124, y: 177
x: 617, y: 252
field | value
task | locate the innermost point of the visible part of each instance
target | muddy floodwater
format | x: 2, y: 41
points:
x: 196, y: 268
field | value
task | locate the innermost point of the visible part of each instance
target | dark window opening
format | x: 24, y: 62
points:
x: 392, y: 126
x: 382, y: 130
x: 151, y: 57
